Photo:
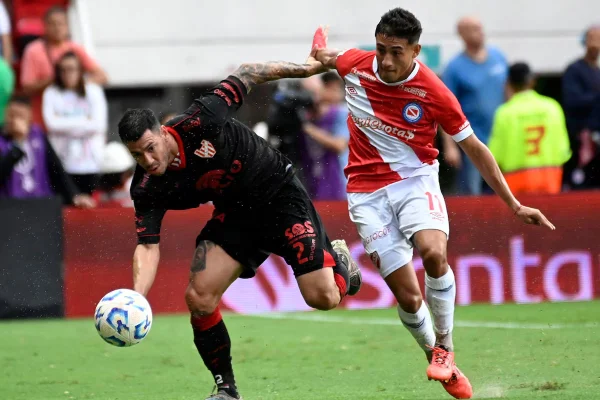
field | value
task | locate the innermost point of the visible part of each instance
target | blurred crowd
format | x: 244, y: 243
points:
x: 54, y: 119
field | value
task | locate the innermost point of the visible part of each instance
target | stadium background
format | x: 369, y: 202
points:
x: 58, y: 261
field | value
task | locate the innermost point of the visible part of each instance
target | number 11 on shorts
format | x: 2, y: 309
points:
x: 432, y: 205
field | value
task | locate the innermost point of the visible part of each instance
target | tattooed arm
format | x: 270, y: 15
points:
x: 255, y: 74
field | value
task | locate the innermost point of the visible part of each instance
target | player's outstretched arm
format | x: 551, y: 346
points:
x: 255, y: 74
x: 145, y: 265
x: 483, y: 159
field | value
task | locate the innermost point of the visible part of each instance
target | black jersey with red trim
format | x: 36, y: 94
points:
x: 220, y: 160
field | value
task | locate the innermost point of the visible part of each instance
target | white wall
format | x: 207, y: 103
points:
x: 156, y: 42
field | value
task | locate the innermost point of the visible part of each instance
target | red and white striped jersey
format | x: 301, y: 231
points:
x: 393, y: 125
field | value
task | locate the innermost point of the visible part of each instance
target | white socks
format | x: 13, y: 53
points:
x: 420, y: 326
x: 441, y: 294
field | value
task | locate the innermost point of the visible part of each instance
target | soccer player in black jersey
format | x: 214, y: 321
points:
x: 261, y: 208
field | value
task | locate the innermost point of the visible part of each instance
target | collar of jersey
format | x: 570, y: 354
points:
x: 523, y: 94
x: 174, y: 133
x: 410, y: 77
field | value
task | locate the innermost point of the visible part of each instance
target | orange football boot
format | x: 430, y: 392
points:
x: 458, y: 386
x: 441, y: 366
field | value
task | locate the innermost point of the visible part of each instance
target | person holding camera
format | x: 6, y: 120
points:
x: 307, y: 123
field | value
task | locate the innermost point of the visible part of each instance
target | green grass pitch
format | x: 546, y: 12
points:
x: 542, y: 351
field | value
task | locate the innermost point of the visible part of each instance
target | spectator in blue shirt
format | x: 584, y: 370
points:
x: 581, y: 102
x: 477, y: 77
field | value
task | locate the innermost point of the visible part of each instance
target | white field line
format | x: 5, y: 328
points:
x: 323, y: 317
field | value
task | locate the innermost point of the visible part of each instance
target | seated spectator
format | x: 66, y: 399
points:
x: 117, y: 172
x: 76, y: 119
x: 529, y: 136
x: 28, y: 165
x: 40, y: 56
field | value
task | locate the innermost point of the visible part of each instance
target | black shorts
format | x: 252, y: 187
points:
x: 288, y: 225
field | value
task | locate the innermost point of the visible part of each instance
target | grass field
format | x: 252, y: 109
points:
x: 545, y: 351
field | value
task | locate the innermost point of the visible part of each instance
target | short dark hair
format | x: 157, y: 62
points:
x: 54, y: 10
x: 330, y: 77
x: 20, y: 99
x: 519, y: 75
x: 58, y: 80
x: 401, y: 24
x: 135, y: 122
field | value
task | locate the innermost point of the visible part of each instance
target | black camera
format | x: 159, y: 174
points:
x: 292, y: 106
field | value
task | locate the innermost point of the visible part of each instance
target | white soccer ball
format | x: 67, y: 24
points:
x: 123, y: 317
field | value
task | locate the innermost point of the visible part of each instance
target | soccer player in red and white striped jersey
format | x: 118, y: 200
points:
x: 395, y: 105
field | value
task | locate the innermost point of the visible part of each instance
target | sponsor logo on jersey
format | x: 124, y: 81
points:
x: 219, y: 180
x: 375, y: 123
x: 363, y: 75
x: 412, y: 112
x: 206, y: 150
x: 417, y: 92
x: 351, y: 91
x: 300, y: 231
x: 221, y: 94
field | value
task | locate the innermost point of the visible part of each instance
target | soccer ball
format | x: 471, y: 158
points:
x: 123, y: 317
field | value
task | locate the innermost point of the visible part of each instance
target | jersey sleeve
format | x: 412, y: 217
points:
x: 348, y: 59
x: 450, y: 116
x: 222, y: 101
x: 149, y: 211
x: 206, y: 116
x: 148, y: 220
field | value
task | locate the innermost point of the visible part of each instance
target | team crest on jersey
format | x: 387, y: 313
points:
x: 412, y: 112
x: 206, y: 150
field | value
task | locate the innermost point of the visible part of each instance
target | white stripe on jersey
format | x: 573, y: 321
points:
x: 400, y: 156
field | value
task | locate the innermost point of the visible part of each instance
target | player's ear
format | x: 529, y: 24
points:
x: 416, y: 50
x: 163, y: 131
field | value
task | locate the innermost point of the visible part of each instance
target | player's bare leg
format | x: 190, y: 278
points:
x: 212, y: 272
x: 440, y: 292
x: 412, y: 310
x: 325, y: 288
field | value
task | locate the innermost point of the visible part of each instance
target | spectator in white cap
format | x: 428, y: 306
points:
x: 117, y: 172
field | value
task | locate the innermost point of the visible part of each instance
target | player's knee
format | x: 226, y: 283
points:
x: 200, y: 302
x: 322, y: 299
x: 434, y: 261
x: 410, y: 302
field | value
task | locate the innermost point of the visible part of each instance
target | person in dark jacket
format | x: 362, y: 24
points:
x: 581, y: 102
